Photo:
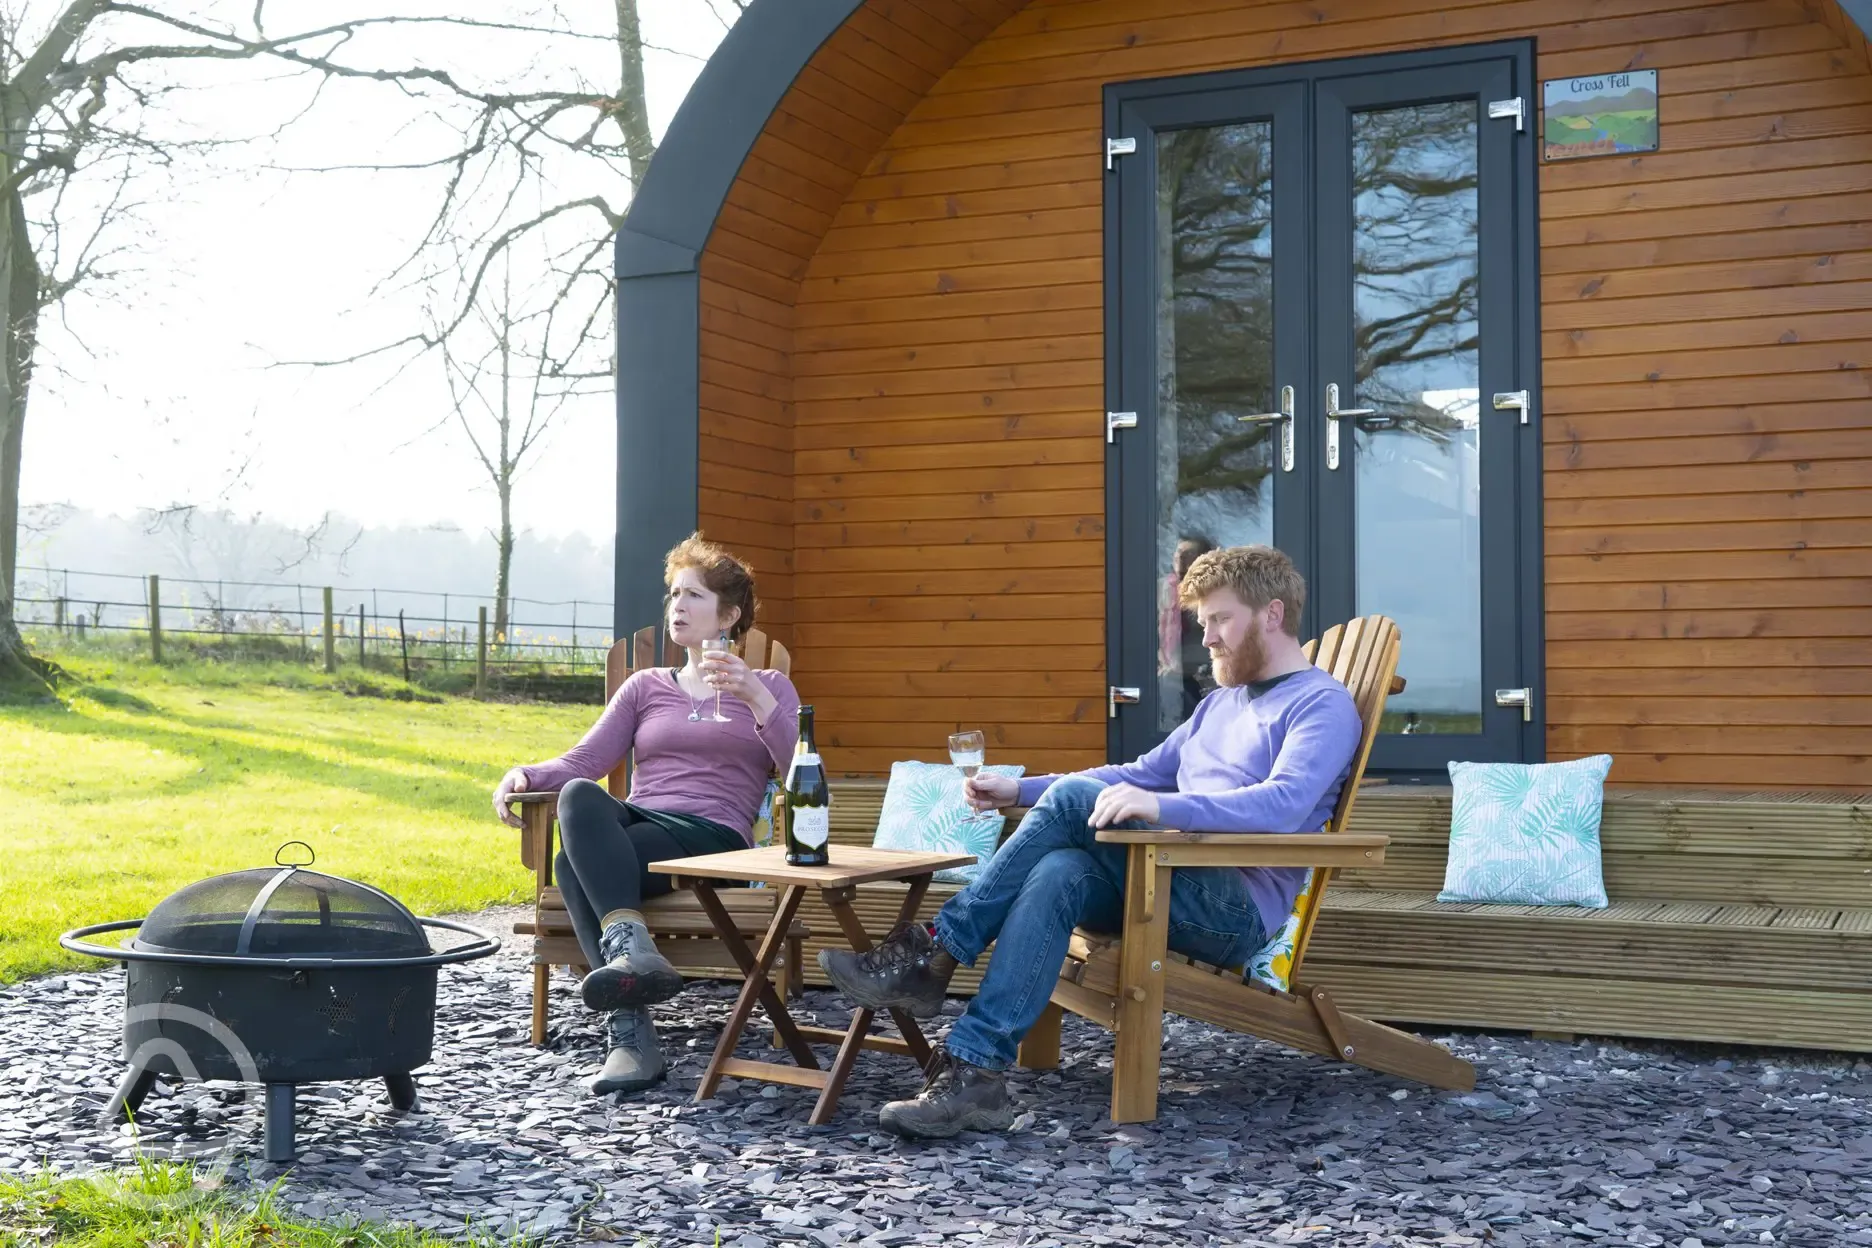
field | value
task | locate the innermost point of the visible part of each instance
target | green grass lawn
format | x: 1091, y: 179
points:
x: 148, y: 778
x: 167, y: 1205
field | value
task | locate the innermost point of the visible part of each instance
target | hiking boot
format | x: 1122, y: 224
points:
x: 956, y: 1097
x: 908, y: 971
x: 633, y: 1058
x: 634, y: 972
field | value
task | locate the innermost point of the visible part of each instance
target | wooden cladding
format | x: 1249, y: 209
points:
x: 903, y: 379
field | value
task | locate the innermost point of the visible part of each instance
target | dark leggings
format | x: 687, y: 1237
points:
x: 607, y: 847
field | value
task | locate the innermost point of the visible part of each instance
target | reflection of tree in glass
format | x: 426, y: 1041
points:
x: 1415, y: 276
x: 1215, y: 192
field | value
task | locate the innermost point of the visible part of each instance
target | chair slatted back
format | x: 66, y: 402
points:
x: 1363, y: 655
x: 650, y: 647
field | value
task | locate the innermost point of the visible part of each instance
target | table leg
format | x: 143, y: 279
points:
x: 756, y: 987
x: 838, y: 901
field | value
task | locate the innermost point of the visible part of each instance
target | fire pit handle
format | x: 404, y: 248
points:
x: 75, y: 941
x: 279, y: 855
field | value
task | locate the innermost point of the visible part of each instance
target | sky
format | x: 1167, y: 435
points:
x: 167, y: 387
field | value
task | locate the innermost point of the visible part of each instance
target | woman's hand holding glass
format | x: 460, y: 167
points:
x: 724, y: 671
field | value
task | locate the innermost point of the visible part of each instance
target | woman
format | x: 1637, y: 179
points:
x: 696, y: 786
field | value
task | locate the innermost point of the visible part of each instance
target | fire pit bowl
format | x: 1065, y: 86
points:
x: 277, y: 976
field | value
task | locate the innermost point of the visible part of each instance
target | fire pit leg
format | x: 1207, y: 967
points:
x: 279, y: 1122
x: 402, y: 1091
x: 128, y: 1098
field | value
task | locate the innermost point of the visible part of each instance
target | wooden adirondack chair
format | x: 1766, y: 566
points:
x: 682, y: 930
x: 1125, y: 982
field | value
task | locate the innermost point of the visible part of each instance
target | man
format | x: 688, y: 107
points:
x: 1267, y: 751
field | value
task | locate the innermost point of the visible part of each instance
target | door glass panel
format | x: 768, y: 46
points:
x: 1214, y: 324
x: 1418, y: 501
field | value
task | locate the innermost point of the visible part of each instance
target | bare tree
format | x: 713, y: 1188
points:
x: 503, y: 398
x: 82, y: 85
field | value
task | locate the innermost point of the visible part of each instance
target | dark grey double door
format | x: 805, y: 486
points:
x: 1321, y: 316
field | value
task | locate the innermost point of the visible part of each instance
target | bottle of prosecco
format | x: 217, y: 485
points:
x: 808, y: 801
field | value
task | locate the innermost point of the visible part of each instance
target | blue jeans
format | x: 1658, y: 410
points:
x: 1051, y: 876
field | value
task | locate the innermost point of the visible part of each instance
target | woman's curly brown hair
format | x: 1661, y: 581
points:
x: 731, y: 580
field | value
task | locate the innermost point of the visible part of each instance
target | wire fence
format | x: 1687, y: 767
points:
x: 417, y: 630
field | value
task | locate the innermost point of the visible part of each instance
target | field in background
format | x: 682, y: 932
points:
x: 147, y: 778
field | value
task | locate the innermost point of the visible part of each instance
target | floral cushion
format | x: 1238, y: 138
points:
x: 762, y: 832
x: 924, y: 811
x: 1273, y: 966
x: 1527, y: 833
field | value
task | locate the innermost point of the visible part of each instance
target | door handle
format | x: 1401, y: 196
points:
x: 1284, y: 418
x: 1333, y: 414
x: 1117, y: 695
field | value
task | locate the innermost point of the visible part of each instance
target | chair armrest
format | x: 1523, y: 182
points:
x: 1255, y: 849
x: 532, y: 799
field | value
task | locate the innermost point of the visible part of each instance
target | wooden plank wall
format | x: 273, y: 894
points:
x: 839, y: 113
x: 1705, y: 309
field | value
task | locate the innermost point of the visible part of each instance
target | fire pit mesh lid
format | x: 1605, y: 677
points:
x: 283, y: 912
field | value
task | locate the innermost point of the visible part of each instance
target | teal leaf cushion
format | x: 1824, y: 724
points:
x: 1527, y: 833
x: 924, y: 811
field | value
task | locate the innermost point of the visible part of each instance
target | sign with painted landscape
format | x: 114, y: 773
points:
x: 1600, y: 116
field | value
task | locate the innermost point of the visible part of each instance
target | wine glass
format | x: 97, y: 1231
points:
x: 718, y: 645
x: 966, y: 751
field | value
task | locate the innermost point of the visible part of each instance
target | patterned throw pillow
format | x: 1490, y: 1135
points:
x: 924, y: 811
x: 1527, y: 833
x: 1273, y: 966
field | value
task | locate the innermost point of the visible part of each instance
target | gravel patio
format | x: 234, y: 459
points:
x: 1594, y: 1141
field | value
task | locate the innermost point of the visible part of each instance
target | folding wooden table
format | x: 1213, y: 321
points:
x: 837, y: 883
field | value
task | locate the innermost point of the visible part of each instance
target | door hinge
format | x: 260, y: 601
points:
x: 1513, y: 401
x: 1120, y: 695
x: 1517, y: 699
x: 1515, y: 108
x: 1114, y: 421
x: 1115, y: 148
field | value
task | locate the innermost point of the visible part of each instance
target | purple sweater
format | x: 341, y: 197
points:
x: 715, y: 771
x: 1245, y: 763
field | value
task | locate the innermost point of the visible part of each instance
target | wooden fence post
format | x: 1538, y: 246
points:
x: 155, y: 618
x: 331, y: 638
x: 403, y: 640
x: 360, y: 636
x: 481, y: 656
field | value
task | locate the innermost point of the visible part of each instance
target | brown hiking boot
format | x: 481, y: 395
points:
x: 908, y: 971
x: 956, y: 1097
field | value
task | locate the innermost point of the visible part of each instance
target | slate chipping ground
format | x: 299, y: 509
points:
x: 1642, y: 1144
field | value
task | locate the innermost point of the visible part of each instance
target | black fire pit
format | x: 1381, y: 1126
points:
x: 277, y: 976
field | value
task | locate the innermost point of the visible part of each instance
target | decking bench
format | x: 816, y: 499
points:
x: 1742, y: 918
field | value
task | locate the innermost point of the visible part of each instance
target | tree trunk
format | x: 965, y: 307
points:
x: 633, y: 115
x: 503, y: 481
x: 21, y: 673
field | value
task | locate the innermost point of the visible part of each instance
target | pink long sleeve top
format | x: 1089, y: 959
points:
x: 714, y: 771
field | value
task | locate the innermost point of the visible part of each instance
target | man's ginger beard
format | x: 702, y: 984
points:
x: 1242, y: 664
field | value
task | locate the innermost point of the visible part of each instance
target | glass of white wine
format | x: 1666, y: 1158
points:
x: 967, y: 750
x: 718, y: 645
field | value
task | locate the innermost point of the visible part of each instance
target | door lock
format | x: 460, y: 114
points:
x: 1117, y: 695
x: 1285, y: 419
x: 1523, y: 698
x: 1333, y: 413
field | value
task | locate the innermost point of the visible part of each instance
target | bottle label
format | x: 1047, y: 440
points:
x: 811, y: 825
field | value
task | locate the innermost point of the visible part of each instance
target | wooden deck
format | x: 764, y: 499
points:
x: 1744, y: 918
